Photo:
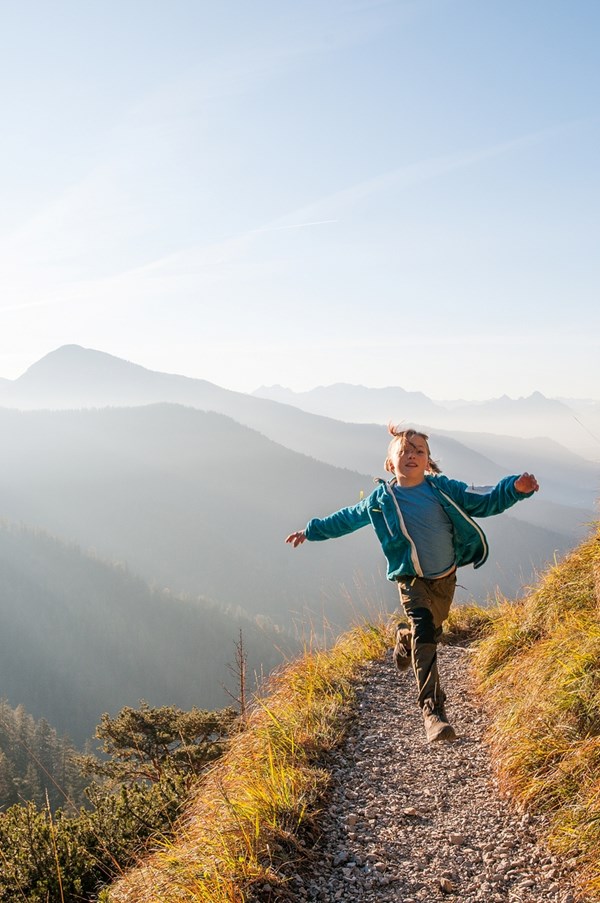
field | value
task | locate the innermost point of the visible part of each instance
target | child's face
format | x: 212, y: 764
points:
x: 411, y: 461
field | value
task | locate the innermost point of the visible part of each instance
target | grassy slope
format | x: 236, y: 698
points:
x: 254, y: 807
x: 539, y: 672
x: 537, y: 668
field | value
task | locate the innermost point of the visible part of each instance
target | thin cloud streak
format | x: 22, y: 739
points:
x: 401, y: 178
x: 423, y: 170
x: 323, y: 222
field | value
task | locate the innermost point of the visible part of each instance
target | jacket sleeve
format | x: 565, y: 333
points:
x: 346, y: 520
x: 487, y: 500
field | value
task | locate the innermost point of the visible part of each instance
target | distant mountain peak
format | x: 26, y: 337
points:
x: 67, y: 357
x: 72, y: 376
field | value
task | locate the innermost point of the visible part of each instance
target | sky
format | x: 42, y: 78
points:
x: 401, y: 193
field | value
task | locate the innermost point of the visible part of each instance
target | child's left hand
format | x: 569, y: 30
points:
x: 527, y: 483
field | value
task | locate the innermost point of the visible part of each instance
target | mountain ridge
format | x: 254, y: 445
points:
x: 354, y: 445
x: 532, y: 416
x: 196, y: 502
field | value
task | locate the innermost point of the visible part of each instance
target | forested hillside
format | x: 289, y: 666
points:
x: 52, y: 847
x: 36, y: 764
x: 81, y: 637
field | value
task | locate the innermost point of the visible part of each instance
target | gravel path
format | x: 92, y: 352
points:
x: 410, y: 821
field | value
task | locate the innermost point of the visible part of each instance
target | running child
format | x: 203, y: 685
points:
x: 423, y: 521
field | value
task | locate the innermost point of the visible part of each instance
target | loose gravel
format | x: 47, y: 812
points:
x: 409, y: 821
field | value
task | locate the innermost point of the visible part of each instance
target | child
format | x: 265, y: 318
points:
x: 423, y: 522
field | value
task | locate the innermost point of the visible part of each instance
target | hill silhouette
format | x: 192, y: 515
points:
x: 359, y: 404
x: 80, y: 637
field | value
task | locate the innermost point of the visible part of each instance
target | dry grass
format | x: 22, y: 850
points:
x: 254, y: 808
x: 468, y: 623
x: 539, y: 671
x: 538, y: 668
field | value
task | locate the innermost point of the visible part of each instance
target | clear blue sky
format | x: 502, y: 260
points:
x: 387, y: 193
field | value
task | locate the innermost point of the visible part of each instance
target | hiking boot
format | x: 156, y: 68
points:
x: 436, y: 723
x: 402, y: 649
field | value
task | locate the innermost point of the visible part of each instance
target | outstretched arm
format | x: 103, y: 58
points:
x: 527, y: 483
x: 341, y: 522
x: 296, y: 539
x: 488, y: 500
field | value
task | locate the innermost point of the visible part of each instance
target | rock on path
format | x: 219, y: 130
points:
x: 410, y: 821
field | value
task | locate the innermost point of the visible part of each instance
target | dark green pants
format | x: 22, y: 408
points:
x: 427, y: 604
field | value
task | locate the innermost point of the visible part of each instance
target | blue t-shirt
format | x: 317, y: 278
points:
x: 429, y: 527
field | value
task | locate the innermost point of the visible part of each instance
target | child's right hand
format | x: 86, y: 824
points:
x: 526, y: 483
x: 296, y: 539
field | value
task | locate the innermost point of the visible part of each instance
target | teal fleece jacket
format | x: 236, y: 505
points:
x: 382, y: 510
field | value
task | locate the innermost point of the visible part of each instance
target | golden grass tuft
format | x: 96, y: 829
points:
x: 539, y: 673
x: 252, y: 811
x: 467, y: 623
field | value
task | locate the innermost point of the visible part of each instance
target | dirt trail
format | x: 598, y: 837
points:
x: 409, y: 821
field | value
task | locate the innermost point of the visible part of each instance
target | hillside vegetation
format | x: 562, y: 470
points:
x: 255, y: 808
x: 537, y: 669
x: 132, y: 792
x: 35, y: 763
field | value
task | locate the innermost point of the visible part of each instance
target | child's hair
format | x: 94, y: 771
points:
x: 404, y: 438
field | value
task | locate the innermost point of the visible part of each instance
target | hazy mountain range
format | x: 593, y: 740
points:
x: 74, y: 377
x: 193, y: 488
x: 575, y: 423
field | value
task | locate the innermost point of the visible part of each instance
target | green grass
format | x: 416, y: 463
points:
x: 254, y: 808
